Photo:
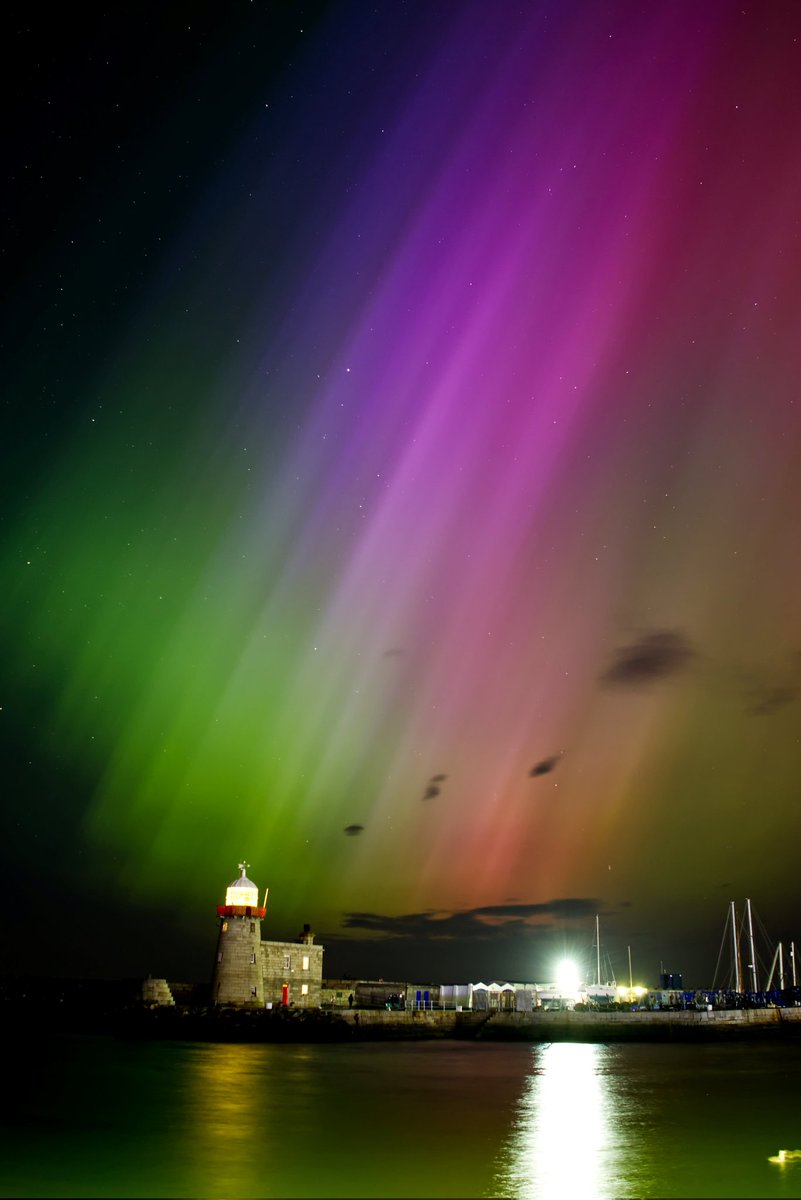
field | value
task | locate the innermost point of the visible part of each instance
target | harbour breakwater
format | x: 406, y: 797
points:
x: 367, y: 1025
x: 571, y: 1026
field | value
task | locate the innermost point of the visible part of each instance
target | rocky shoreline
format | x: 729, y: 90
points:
x: 204, y: 1024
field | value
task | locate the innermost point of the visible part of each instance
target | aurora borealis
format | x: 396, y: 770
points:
x: 404, y: 474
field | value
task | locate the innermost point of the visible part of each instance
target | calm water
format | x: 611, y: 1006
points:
x: 99, y: 1117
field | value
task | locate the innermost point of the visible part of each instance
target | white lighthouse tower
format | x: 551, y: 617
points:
x: 238, y: 971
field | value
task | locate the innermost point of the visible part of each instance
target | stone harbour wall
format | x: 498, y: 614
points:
x: 575, y: 1026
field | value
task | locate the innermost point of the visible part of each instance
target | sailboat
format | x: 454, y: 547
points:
x: 598, y: 992
x: 778, y: 960
x: 745, y: 978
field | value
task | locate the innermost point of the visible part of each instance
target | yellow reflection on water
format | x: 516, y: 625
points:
x: 232, y: 1101
x: 225, y: 1117
x: 564, y: 1141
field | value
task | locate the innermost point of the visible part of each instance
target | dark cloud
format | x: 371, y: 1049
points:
x: 768, y: 700
x: 770, y: 687
x: 432, y: 788
x: 569, y: 907
x: 485, y: 922
x: 651, y: 657
x: 353, y: 830
x: 544, y: 766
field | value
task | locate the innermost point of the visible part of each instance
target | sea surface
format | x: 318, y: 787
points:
x: 96, y: 1116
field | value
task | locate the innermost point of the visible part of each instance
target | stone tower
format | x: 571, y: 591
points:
x: 238, y: 972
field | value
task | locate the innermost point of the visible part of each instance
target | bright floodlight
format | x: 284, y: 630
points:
x: 567, y: 979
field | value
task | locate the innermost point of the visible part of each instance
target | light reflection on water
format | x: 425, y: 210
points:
x: 565, y: 1141
x: 91, y: 1117
x: 596, y: 1122
x: 228, y: 1129
x: 297, y: 1121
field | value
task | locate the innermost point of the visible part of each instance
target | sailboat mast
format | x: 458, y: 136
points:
x: 753, y: 963
x: 735, y: 949
x: 792, y: 961
x: 597, y: 951
x: 781, y: 967
x: 631, y: 977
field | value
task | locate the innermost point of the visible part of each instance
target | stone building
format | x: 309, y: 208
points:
x: 251, y: 973
x: 293, y: 971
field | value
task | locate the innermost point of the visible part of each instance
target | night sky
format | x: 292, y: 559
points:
x: 401, y: 482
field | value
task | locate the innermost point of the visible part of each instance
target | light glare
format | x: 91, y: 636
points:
x: 567, y: 978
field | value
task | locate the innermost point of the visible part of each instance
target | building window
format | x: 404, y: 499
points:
x: 253, y: 958
x: 252, y: 926
x: 305, y: 962
x: 219, y: 957
x: 304, y: 989
x: 225, y: 927
x: 253, y: 991
x: 287, y: 963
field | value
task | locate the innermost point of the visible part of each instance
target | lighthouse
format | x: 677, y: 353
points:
x: 238, y: 977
